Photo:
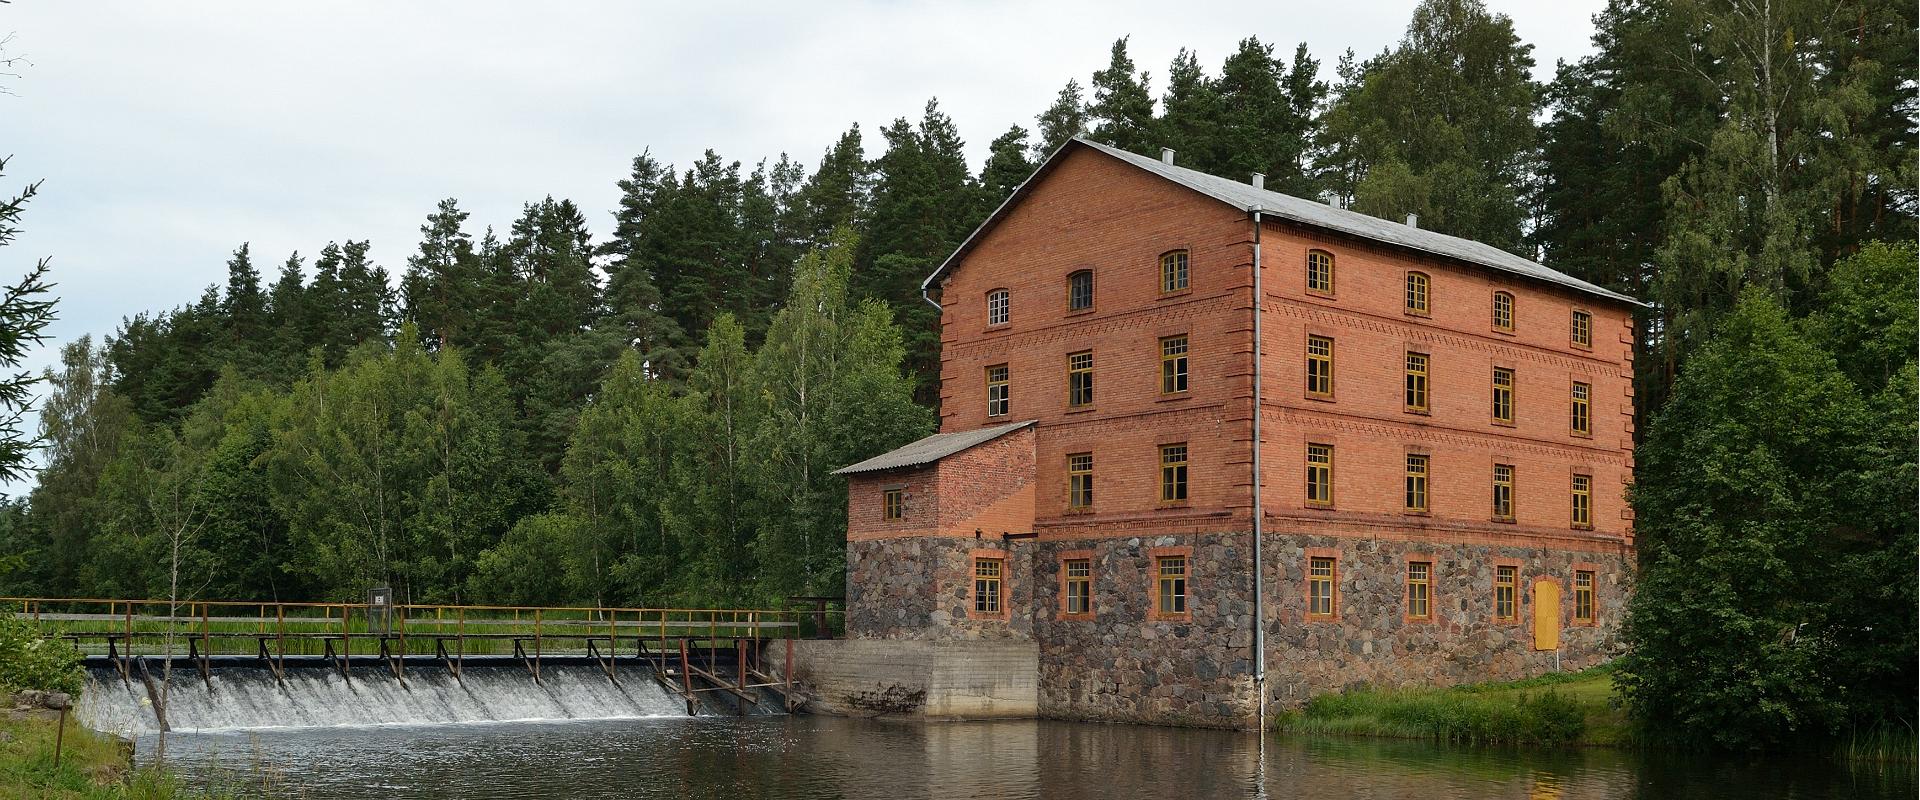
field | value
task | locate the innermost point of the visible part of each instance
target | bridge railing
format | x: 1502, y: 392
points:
x: 118, y: 627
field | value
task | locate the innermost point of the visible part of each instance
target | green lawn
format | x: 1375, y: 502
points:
x: 1567, y: 708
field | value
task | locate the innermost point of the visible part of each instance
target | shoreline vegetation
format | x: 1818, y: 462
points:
x: 1570, y: 709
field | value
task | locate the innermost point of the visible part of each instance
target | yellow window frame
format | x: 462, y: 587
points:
x: 1079, y: 481
x: 1582, y: 501
x: 1506, y: 587
x: 1320, y: 366
x: 1420, y: 590
x: 1503, y: 381
x: 1173, y: 364
x: 1417, y: 364
x: 999, y: 391
x: 1080, y: 379
x: 1175, y: 268
x: 1503, y: 311
x: 1583, y: 606
x: 1417, y: 467
x: 1320, y: 271
x: 893, y: 504
x: 1418, y: 286
x: 988, y: 574
x: 1173, y: 473
x: 1322, y: 573
x: 1320, y: 474
x: 1582, y: 422
x: 1503, y: 491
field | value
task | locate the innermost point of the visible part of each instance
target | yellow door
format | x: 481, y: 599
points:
x: 1546, y: 615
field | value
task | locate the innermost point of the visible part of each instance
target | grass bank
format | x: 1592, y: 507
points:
x: 92, y: 765
x: 1559, y: 709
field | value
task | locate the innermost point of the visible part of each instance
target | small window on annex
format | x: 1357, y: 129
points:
x: 1078, y: 577
x: 986, y: 585
x: 894, y: 504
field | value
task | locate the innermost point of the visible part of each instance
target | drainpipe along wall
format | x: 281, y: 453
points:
x: 1259, y: 514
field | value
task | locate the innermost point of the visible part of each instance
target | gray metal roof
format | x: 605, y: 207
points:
x: 1306, y: 212
x: 931, y: 449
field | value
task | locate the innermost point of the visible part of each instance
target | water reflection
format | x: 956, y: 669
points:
x: 819, y: 757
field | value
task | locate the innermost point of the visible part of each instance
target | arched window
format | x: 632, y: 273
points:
x: 1080, y: 290
x: 1173, y: 271
x: 1417, y: 292
x: 999, y: 307
x: 1320, y: 271
x: 1502, y: 311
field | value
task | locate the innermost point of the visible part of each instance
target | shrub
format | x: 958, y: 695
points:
x: 29, y: 661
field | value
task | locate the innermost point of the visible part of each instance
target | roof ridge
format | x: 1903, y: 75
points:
x: 1249, y: 199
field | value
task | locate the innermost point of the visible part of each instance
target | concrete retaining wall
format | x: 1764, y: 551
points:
x: 907, y: 678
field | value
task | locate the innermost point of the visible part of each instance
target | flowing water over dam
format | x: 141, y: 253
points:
x: 249, y: 698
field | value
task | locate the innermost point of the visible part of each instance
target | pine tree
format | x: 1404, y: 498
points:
x: 837, y: 193
x: 634, y: 302
x: 440, y: 290
x: 1063, y: 120
x: 1122, y: 108
x: 1191, y: 110
x: 1007, y: 167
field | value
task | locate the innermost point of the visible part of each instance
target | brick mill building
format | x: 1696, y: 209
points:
x: 1444, y: 432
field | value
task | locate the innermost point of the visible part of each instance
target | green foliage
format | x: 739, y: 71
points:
x: 1478, y: 714
x: 1777, y: 574
x: 30, y: 661
x: 25, y: 312
x: 1440, y: 126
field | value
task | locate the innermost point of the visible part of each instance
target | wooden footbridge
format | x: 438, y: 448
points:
x: 697, y: 654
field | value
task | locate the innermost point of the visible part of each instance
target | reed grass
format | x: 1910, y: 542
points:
x: 1555, y: 709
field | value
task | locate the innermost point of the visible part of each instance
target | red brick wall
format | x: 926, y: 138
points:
x: 1095, y: 213
x: 1372, y: 432
x: 988, y: 488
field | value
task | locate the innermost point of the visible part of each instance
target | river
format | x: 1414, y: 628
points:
x: 822, y: 757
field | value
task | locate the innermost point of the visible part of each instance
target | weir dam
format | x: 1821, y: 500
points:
x: 207, y: 666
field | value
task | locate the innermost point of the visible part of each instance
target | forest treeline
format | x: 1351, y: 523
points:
x: 649, y: 415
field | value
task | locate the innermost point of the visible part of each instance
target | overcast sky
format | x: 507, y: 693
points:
x: 169, y: 133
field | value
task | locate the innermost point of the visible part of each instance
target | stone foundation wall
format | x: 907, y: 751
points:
x: 922, y: 588
x: 1124, y: 665
x: 1370, y: 640
x: 929, y: 679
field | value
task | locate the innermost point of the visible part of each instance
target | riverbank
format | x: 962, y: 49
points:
x: 92, y: 765
x: 1559, y: 709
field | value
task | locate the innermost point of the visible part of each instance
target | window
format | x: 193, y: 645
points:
x: 1506, y: 582
x: 1172, y: 584
x: 1416, y: 482
x: 1080, y: 290
x: 894, y: 504
x: 1320, y: 578
x: 1417, y: 382
x: 997, y: 390
x: 1583, y: 596
x: 986, y: 585
x: 1079, y: 585
x: 1080, y: 481
x: 1320, y: 474
x: 1582, y: 501
x: 1173, y: 473
x: 1320, y: 271
x: 1583, y: 328
x: 1420, y: 590
x: 1173, y: 365
x: 1503, y: 395
x: 1320, y: 366
x: 998, y: 307
x: 1416, y: 293
x: 1080, y: 379
x: 1503, y: 491
x: 1173, y: 271
x: 1582, y: 409
x: 1502, y: 311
